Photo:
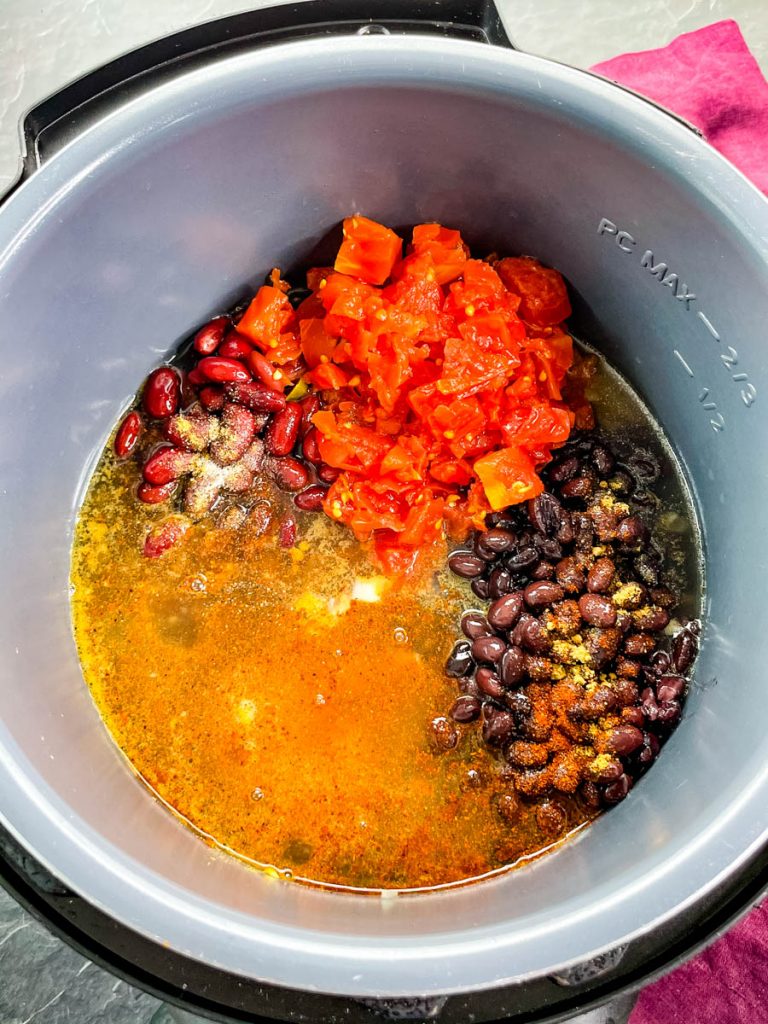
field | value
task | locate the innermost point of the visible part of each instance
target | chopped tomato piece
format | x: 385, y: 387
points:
x: 544, y: 299
x: 508, y: 477
x: 445, y: 247
x: 315, y: 342
x: 266, y: 317
x: 369, y: 250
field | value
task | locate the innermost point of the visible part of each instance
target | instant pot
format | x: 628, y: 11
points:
x: 159, y: 189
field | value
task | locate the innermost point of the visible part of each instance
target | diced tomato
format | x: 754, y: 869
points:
x: 266, y: 317
x: 315, y: 342
x: 508, y: 477
x: 326, y: 376
x: 544, y: 297
x: 369, y: 250
x: 445, y: 247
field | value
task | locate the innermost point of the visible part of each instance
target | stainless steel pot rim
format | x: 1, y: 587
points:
x: 368, y: 966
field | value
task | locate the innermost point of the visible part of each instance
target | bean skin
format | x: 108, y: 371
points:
x: 540, y: 595
x: 544, y: 511
x: 474, y: 625
x: 684, y: 650
x: 465, y: 564
x: 670, y: 688
x: 597, y: 610
x: 505, y: 611
x: 488, y: 649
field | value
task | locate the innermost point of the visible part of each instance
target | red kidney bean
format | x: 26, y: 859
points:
x: 155, y: 494
x: 208, y: 338
x: 633, y: 716
x: 505, y: 611
x: 289, y: 474
x: 127, y: 435
x: 465, y: 564
x: 684, y: 650
x: 162, y: 392
x: 311, y: 498
x: 328, y: 474
x: 309, y: 406
x: 489, y: 683
x: 670, y: 688
x: 597, y: 610
x: 474, y: 625
x: 265, y: 371
x: 459, y: 661
x: 283, y: 431
x: 287, y: 532
x: 167, y: 464
x: 211, y: 398
x: 540, y: 595
x: 512, y: 666
x: 600, y: 576
x: 163, y: 536
x: 444, y: 735
x: 255, y: 397
x: 651, y: 618
x: 310, y: 448
x: 235, y: 346
x: 569, y: 575
x: 616, y: 791
x: 488, y: 648
x: 224, y: 371
x: 466, y: 709
x: 632, y: 532
x: 639, y: 645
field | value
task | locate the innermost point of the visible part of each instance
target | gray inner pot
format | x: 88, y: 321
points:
x: 162, y: 214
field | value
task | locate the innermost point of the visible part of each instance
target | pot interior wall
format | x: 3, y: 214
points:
x: 181, y: 213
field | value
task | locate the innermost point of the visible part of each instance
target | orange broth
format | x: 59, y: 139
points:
x: 275, y: 704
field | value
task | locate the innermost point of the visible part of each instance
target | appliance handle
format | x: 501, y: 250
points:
x: 56, y: 120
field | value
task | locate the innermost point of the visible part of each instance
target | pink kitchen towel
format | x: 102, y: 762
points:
x: 710, y: 78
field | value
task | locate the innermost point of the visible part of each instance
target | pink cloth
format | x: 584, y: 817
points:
x: 710, y: 78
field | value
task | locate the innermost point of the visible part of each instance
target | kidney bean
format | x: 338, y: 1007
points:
x: 208, y: 338
x: 499, y: 540
x: 235, y: 346
x: 627, y: 668
x: 508, y: 807
x: 505, y: 611
x: 459, y: 661
x: 162, y: 392
x: 311, y: 498
x: 287, y: 532
x: 523, y: 559
x: 539, y: 668
x: 167, y: 464
x: 466, y: 709
x: 563, y: 469
x: 480, y: 588
x: 544, y: 512
x: 543, y: 571
x: 590, y: 795
x: 310, y: 449
x: 602, y: 645
x: 497, y: 725
x: 211, y: 398
x: 649, y: 704
x: 684, y: 650
x: 595, y: 704
x: 661, y: 661
x: 255, y: 397
x: 465, y: 564
x: 603, y: 460
x: 444, y: 735
x: 128, y: 434
x: 615, y: 792
x: 639, y: 645
x: 597, y: 610
x: 579, y: 487
x: 649, y: 751
x: 238, y: 427
x: 155, y: 494
x: 288, y: 473
x: 633, y: 716
x: 223, y: 371
x: 601, y: 576
x: 566, y: 532
x: 569, y: 575
x: 489, y: 682
x: 488, y: 648
x: 475, y: 624
x: 632, y: 532
x: 669, y: 713
x: 670, y: 688
x: 512, y: 666
x: 651, y: 618
x: 540, y: 595
x: 551, y: 818
x: 270, y: 376
x: 499, y: 583
x: 283, y: 431
x: 165, y: 535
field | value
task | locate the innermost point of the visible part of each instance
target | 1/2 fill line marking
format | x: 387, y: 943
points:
x: 686, y: 367
x: 709, y: 325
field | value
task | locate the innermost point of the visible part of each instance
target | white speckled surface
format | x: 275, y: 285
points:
x: 43, y: 46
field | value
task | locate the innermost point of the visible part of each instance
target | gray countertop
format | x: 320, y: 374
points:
x: 43, y: 46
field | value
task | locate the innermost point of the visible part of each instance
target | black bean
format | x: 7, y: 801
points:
x: 544, y: 512
x: 648, y: 569
x: 623, y: 620
x: 570, y: 575
x: 597, y: 610
x: 540, y: 595
x: 296, y: 295
x: 539, y: 668
x: 497, y: 725
x: 580, y: 487
x: 465, y: 564
x: 652, y: 619
x: 523, y: 559
x: 684, y: 650
x: 590, y: 795
x: 519, y: 703
x: 649, y: 704
x: 603, y: 645
x: 498, y: 540
x: 622, y: 483
x: 481, y: 549
x: 627, y: 668
x: 600, y: 576
x: 551, y: 817
x: 443, y: 733
x: 468, y: 686
x: 670, y: 688
x: 466, y: 709
x: 610, y: 771
x: 488, y: 649
x: 489, y: 683
x: 649, y: 751
x: 534, y: 636
x: 480, y: 588
x: 505, y: 611
x: 584, y: 532
x: 644, y: 467
x: 593, y: 705
x: 475, y: 624
x: 669, y: 713
x: 499, y: 519
x: 639, y: 645
x: 563, y: 469
x: 633, y: 716
x: 663, y: 597
x: 603, y: 460
x: 550, y: 549
x: 512, y: 666
x: 625, y: 691
x: 632, y: 532
x: 543, y: 571
x: 508, y: 807
x: 565, y: 533
x: 500, y: 582
x: 694, y: 626
x: 459, y: 661
x: 616, y: 791
x: 661, y: 661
